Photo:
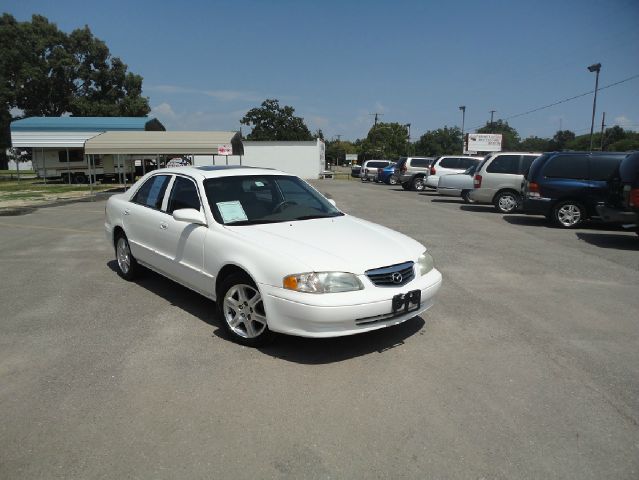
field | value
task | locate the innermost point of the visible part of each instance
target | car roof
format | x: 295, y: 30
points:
x: 216, y: 171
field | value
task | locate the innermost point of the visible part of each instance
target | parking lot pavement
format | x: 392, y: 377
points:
x: 526, y: 367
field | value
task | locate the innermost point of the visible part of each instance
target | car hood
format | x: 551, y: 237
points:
x: 345, y: 243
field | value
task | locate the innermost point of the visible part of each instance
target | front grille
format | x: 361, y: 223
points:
x: 388, y: 276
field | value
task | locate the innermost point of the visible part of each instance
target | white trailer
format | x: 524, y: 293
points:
x: 304, y: 159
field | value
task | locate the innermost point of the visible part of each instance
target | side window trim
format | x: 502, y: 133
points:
x: 167, y: 194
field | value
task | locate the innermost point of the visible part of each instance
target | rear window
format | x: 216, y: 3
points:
x: 526, y: 162
x: 449, y: 162
x: 504, y: 164
x: 567, y: 166
x: 420, y: 162
x: 603, y: 168
x: 468, y: 162
x: 377, y: 164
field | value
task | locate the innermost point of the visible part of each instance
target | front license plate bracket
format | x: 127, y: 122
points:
x: 407, y: 302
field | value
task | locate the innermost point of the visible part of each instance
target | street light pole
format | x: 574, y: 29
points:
x: 594, y: 68
x: 463, y: 110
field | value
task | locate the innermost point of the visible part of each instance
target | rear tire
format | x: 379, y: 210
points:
x: 568, y: 214
x: 507, y: 201
x: 417, y: 184
x: 80, y: 178
x: 406, y: 186
x: 241, y: 311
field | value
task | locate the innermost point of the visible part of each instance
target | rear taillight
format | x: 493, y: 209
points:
x: 533, y: 190
x: 433, y: 171
x: 633, y: 199
x: 477, y: 181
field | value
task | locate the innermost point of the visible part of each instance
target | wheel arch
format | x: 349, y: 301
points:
x: 503, y: 190
x: 225, y: 272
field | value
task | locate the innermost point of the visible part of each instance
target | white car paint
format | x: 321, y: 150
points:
x: 193, y: 255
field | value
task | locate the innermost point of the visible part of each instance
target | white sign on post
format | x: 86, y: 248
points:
x: 483, y: 142
x: 225, y: 150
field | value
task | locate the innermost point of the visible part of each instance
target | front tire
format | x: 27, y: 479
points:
x: 128, y: 267
x: 507, y: 202
x: 406, y: 186
x: 241, y: 311
x: 568, y: 214
x: 392, y: 180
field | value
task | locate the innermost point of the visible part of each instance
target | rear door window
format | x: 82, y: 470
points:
x: 420, y: 162
x: 603, y: 168
x: 567, y: 166
x: 151, y: 193
x: 449, y: 162
x: 504, y: 164
x: 466, y: 162
x: 526, y: 162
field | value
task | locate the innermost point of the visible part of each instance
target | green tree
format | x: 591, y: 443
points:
x: 336, y: 151
x: 535, y: 144
x: 510, y: 136
x: 270, y: 121
x: 44, y: 71
x: 439, y: 142
x: 385, y: 140
x: 561, y: 139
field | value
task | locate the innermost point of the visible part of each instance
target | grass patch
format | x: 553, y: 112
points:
x: 15, y: 172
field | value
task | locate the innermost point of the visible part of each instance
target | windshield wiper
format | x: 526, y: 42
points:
x: 252, y: 222
x: 310, y: 217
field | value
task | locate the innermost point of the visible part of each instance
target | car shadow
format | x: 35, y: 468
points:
x: 478, y: 208
x: 629, y: 241
x: 447, y: 200
x: 176, y: 294
x: 310, y: 351
x: 527, y: 220
x: 318, y: 351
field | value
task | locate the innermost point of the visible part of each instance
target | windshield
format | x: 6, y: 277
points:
x: 255, y: 199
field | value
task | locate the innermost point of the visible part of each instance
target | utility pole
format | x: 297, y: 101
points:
x: 492, y: 112
x: 594, y: 68
x: 560, y: 124
x: 339, y: 137
x: 603, y: 124
x: 463, y: 110
x: 376, y: 117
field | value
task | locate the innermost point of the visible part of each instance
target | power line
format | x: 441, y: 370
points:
x: 564, y: 100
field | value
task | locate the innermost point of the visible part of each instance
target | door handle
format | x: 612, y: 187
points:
x: 164, y: 225
x: 127, y: 211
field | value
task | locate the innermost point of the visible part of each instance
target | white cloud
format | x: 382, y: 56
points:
x: 163, y: 110
x: 622, y: 119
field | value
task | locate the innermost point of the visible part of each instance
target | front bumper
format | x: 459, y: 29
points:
x: 339, y: 314
x: 432, y: 181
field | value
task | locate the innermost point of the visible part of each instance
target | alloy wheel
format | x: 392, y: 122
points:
x: 124, y: 255
x: 569, y: 215
x: 244, y: 311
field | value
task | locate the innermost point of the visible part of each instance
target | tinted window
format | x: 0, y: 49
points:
x: 603, y: 168
x: 504, y: 164
x: 420, y: 162
x: 183, y: 195
x: 152, y: 191
x: 74, y: 155
x: 377, y: 164
x: 468, y: 162
x: 526, y: 162
x: 449, y: 162
x: 567, y: 166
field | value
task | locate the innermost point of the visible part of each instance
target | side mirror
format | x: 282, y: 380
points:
x: 332, y: 202
x: 189, y: 215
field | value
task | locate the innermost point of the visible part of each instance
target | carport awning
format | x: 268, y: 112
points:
x: 196, y: 143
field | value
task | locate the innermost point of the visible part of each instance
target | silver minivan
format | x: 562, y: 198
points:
x: 499, y: 177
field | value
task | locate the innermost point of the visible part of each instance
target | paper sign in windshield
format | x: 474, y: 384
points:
x: 231, y: 211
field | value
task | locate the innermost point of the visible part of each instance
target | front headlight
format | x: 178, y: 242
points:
x: 426, y: 263
x: 322, y: 282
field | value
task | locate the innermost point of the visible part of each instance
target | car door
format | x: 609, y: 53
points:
x: 181, y: 244
x: 142, y: 217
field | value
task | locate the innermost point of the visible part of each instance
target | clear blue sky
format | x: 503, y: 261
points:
x: 206, y: 63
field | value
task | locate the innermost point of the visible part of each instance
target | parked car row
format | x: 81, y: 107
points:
x: 568, y: 188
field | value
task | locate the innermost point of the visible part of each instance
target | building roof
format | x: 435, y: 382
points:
x: 197, y: 143
x: 86, y: 124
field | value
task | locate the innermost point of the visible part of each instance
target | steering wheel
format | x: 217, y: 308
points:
x: 280, y: 206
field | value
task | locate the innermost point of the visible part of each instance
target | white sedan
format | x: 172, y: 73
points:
x: 271, y: 250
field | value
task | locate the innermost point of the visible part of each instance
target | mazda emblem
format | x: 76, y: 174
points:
x: 397, y: 277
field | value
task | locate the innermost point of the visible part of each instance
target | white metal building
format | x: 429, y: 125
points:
x: 304, y: 159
